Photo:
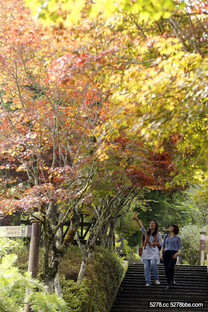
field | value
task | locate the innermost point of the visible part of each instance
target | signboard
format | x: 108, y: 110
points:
x: 15, y: 231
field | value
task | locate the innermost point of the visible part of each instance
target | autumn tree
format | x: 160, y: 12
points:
x: 118, y: 180
x: 92, y: 113
x: 162, y: 91
x: 45, y: 134
x: 155, y: 72
x: 159, y: 72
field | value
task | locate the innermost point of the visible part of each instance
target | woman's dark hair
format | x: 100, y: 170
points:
x: 156, y: 229
x: 175, y: 228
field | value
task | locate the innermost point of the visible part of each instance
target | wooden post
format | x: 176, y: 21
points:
x: 34, y: 253
x: 34, y: 248
x: 202, y: 247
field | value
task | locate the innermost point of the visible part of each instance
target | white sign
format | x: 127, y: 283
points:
x: 14, y: 231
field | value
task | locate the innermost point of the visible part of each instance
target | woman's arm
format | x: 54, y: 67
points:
x: 163, y: 247
x: 176, y: 254
x: 161, y: 256
x: 139, y: 222
x: 179, y: 249
x: 153, y: 244
x: 158, y: 243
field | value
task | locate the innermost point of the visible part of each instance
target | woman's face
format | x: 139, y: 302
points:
x: 152, y: 225
x: 171, y: 229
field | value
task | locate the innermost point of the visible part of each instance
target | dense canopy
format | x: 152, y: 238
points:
x: 96, y: 105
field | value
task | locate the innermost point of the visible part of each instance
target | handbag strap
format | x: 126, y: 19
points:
x: 155, y: 238
x: 166, y: 236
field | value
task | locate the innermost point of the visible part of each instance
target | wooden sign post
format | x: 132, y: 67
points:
x: 34, y: 253
x: 34, y: 248
x: 32, y: 231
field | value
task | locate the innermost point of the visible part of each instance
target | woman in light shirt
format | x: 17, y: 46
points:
x: 150, y: 253
x: 170, y: 250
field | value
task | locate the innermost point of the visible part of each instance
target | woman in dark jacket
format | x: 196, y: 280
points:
x: 170, y: 250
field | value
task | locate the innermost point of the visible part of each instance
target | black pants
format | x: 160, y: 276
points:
x: 169, y: 264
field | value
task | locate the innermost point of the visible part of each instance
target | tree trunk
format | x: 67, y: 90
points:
x: 82, y: 270
x: 111, y: 236
x: 57, y: 286
x: 50, y: 267
x: 50, y: 286
x: 104, y: 236
x: 55, y: 248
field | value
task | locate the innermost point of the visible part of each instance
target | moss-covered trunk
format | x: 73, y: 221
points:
x: 55, y: 247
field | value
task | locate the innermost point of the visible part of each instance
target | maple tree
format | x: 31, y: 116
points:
x: 157, y: 81
x: 45, y: 132
x: 165, y: 92
x: 155, y: 74
x: 126, y: 169
x: 90, y: 116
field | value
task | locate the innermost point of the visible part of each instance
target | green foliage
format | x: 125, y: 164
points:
x: 100, y: 284
x: 53, y: 11
x: 104, y: 275
x: 190, y: 235
x: 128, y: 250
x: 10, y: 245
x: 70, y: 264
x: 195, y: 202
x: 166, y: 207
x: 128, y: 228
x: 45, y: 302
x: 206, y: 261
x: 13, y: 285
x: 76, y: 295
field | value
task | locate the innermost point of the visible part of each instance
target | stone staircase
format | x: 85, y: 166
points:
x: 191, y: 287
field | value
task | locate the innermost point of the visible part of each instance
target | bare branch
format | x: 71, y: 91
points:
x: 138, y: 26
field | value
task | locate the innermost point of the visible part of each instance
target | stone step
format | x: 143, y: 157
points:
x: 163, y: 305
x: 162, y: 294
x: 159, y: 305
x: 146, y: 308
x: 153, y: 303
x: 159, y: 299
x: 177, y: 268
x: 191, y: 286
x: 177, y: 276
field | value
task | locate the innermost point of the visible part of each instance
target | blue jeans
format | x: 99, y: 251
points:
x: 148, y: 264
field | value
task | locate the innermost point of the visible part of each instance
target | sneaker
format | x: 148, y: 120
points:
x: 157, y: 282
x: 147, y: 284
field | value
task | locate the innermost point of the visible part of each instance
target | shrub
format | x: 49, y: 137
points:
x: 96, y: 292
x: 13, y: 286
x: 76, y: 295
x: 190, y: 235
x: 98, y: 289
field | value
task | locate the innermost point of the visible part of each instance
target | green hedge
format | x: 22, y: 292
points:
x: 190, y: 235
x: 100, y: 284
